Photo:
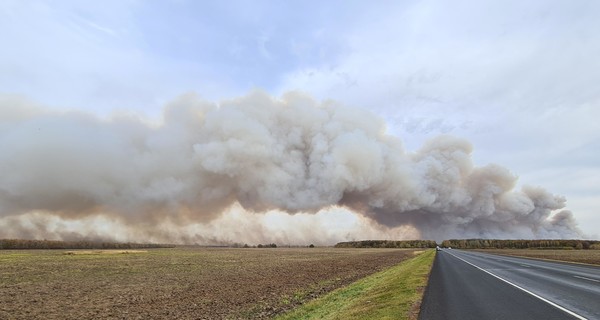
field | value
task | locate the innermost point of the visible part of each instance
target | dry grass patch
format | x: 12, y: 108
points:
x: 87, y: 252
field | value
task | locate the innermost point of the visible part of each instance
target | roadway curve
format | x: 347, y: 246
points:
x: 466, y: 285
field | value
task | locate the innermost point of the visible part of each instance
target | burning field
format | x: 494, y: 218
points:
x: 179, y: 283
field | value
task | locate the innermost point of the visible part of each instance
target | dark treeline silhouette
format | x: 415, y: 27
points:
x: 521, y: 244
x: 55, y: 244
x: 387, y: 244
x: 270, y: 245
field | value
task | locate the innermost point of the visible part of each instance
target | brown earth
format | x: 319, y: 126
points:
x: 580, y: 256
x: 179, y: 283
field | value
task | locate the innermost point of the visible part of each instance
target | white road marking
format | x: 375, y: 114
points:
x: 584, y: 278
x: 526, y: 266
x: 524, y: 290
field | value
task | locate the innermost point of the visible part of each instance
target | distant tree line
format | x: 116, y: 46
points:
x: 521, y: 244
x: 387, y: 244
x: 270, y: 245
x: 55, y: 244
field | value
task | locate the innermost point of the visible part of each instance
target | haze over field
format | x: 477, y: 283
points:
x: 399, y: 121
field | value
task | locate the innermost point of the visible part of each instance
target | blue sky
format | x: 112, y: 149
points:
x: 518, y: 79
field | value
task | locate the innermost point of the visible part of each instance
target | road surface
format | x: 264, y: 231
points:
x: 472, y: 285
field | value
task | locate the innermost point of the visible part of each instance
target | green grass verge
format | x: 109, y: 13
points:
x: 394, y: 293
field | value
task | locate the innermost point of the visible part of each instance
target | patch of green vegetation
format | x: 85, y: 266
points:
x: 297, y: 297
x: 11, y: 256
x: 389, y: 294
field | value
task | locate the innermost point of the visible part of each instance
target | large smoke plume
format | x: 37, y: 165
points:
x: 258, y: 154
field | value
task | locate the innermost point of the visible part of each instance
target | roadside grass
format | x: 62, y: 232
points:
x: 394, y: 293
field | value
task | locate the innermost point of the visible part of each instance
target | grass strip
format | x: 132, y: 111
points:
x: 394, y: 293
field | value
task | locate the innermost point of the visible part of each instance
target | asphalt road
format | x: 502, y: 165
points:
x: 465, y: 285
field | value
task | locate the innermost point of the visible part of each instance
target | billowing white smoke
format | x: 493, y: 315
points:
x: 291, y: 154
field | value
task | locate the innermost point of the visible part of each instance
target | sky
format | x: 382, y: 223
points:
x: 518, y: 79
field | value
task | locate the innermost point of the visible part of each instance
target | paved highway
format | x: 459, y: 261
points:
x: 473, y: 285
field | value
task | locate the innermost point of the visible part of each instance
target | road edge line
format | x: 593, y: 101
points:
x: 584, y: 278
x: 522, y: 289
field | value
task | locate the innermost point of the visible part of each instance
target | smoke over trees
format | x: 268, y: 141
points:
x: 387, y: 244
x: 12, y: 244
x: 290, y: 154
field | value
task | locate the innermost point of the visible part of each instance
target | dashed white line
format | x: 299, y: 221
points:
x: 584, y: 278
x: 524, y: 290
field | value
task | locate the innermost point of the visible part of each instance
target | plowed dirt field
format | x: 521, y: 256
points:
x: 178, y: 283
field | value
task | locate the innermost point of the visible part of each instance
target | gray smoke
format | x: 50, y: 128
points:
x: 290, y: 154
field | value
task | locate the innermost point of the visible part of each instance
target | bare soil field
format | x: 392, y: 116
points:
x: 581, y: 256
x: 178, y: 283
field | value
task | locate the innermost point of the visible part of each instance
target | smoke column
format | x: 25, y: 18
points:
x: 293, y: 155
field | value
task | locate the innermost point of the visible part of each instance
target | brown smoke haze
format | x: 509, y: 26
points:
x: 252, y: 169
